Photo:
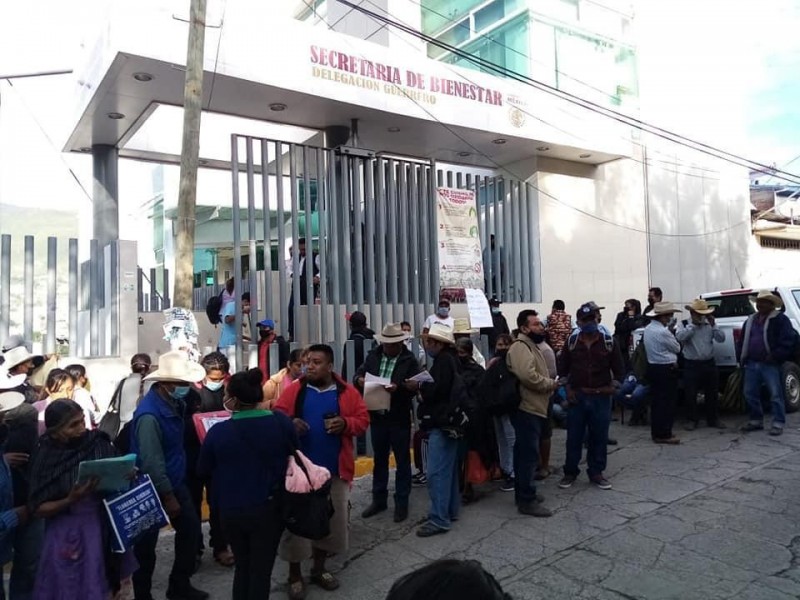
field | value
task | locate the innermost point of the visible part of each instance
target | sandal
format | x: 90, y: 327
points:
x: 325, y: 580
x: 297, y: 590
x: 225, y: 558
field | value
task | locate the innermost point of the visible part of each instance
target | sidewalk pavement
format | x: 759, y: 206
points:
x: 716, y: 517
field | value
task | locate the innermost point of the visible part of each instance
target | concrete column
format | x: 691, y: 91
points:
x: 105, y: 194
x: 336, y: 135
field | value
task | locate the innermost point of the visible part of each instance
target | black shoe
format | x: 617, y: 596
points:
x: 749, y: 427
x: 373, y: 509
x: 534, y: 509
x: 612, y: 442
x: 400, y: 514
x: 186, y: 592
x: 429, y: 530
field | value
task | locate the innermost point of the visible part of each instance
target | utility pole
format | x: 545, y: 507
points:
x: 190, y: 156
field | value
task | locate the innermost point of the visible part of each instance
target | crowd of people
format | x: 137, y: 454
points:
x: 472, y: 419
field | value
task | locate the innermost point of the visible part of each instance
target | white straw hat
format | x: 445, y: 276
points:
x: 175, y: 366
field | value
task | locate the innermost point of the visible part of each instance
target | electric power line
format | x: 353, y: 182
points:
x: 589, y: 105
x: 572, y: 134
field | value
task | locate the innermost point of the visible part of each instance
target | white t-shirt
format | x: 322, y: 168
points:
x: 434, y: 318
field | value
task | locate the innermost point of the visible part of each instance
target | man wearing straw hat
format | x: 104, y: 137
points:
x: 768, y: 340
x: 443, y: 442
x: 662, y: 371
x: 157, y: 434
x: 391, y: 428
x: 697, y: 336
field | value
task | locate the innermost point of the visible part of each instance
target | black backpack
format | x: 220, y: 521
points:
x: 213, y: 309
x: 500, y: 389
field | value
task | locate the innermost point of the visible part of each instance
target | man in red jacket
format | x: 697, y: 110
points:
x: 328, y: 412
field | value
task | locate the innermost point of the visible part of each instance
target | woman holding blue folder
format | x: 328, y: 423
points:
x: 76, y: 561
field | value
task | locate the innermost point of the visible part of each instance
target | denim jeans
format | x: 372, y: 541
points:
x: 528, y: 429
x: 637, y: 392
x: 504, y: 431
x: 701, y: 375
x: 443, y: 478
x: 28, y: 540
x: 187, y: 530
x: 592, y: 413
x: 388, y: 436
x: 757, y: 374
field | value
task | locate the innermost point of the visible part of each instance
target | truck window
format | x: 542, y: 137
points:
x: 796, y: 294
x: 733, y: 306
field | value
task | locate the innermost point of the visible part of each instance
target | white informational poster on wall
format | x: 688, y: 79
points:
x: 460, y: 260
x: 480, y: 315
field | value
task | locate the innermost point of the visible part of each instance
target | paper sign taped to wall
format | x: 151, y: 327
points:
x: 480, y: 315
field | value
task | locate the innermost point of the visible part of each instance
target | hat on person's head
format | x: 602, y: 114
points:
x: 494, y: 301
x: 442, y: 333
x: 17, y: 356
x: 175, y: 366
x: 443, y: 302
x: 663, y: 308
x: 769, y: 297
x: 10, y: 382
x: 588, y: 310
x: 358, y: 319
x: 461, y: 327
x: 593, y: 305
x: 700, y: 307
x: 10, y: 400
x: 392, y: 333
x: 267, y: 324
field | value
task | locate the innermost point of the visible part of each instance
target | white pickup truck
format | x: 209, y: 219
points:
x: 732, y: 309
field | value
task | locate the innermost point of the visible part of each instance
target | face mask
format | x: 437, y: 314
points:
x: 264, y: 334
x: 303, y: 371
x: 495, y: 310
x: 537, y: 338
x: 590, y: 328
x: 443, y: 312
x: 214, y: 385
x: 226, y: 407
x: 432, y: 353
x: 180, y: 392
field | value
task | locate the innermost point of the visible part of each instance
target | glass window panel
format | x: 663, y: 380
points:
x: 489, y: 15
x: 439, y: 14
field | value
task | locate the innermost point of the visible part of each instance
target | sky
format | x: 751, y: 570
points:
x: 720, y: 71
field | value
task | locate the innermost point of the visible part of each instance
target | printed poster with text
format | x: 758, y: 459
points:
x: 460, y: 261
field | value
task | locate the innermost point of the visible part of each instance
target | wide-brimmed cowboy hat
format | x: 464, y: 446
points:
x: 700, y: 307
x: 442, y: 333
x: 17, y: 356
x: 461, y: 327
x: 769, y: 297
x: 10, y: 382
x: 663, y: 308
x: 10, y: 400
x: 392, y: 333
x: 175, y: 366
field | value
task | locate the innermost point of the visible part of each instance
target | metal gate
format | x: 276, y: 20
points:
x: 369, y: 223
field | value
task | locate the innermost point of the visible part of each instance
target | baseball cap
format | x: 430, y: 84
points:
x: 587, y: 309
x: 267, y: 324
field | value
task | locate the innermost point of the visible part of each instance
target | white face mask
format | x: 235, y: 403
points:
x: 214, y: 385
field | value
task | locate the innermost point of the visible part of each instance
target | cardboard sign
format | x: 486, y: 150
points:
x: 480, y: 315
x: 203, y: 422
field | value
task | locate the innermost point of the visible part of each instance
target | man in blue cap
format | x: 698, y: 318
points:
x: 267, y: 337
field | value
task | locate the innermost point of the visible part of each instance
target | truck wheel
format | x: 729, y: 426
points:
x: 791, y: 386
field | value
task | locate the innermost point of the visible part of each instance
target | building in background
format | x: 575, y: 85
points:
x: 612, y: 210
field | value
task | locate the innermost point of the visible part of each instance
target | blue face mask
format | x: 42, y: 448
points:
x: 495, y: 310
x: 214, y: 386
x: 590, y: 328
x: 432, y: 353
x: 180, y: 392
x: 443, y: 312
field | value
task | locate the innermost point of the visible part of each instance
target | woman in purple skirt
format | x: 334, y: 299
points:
x: 76, y: 561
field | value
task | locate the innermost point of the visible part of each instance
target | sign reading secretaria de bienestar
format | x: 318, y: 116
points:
x: 334, y: 65
x: 458, y: 239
